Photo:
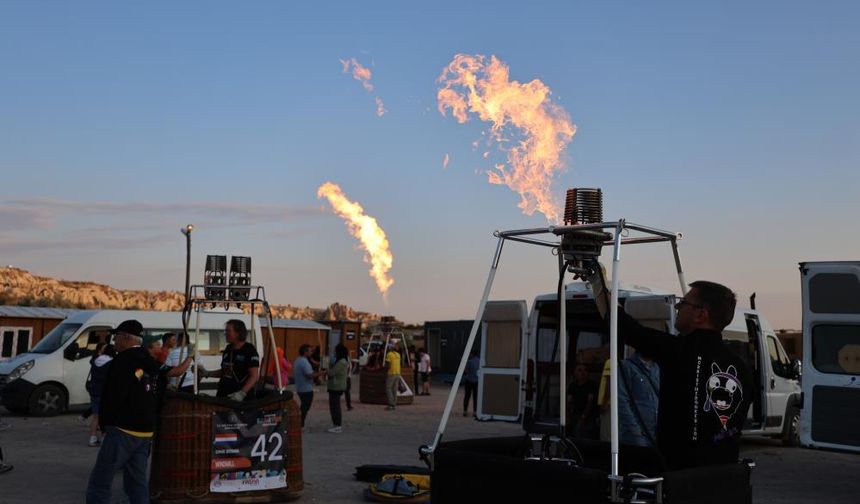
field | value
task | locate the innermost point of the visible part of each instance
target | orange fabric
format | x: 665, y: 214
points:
x: 286, y: 366
x: 162, y: 355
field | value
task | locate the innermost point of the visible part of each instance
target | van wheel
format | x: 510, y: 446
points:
x: 791, y: 431
x: 47, y: 400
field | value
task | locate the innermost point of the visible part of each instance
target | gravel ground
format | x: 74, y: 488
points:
x: 52, y: 461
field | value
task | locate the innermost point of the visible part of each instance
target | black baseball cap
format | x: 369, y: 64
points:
x: 132, y: 327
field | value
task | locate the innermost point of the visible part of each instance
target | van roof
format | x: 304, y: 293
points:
x: 577, y: 290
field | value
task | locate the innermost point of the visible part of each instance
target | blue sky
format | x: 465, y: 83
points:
x: 731, y: 122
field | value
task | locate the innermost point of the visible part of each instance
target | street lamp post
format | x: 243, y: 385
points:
x: 187, y: 232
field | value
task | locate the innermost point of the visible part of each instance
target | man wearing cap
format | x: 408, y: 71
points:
x: 128, y: 417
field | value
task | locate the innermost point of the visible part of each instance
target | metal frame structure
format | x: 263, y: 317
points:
x: 621, y: 230
x: 197, y: 301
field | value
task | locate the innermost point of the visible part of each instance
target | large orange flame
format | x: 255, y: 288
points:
x: 363, y: 74
x: 474, y: 84
x: 365, y: 228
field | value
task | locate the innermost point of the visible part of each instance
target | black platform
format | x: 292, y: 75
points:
x: 494, y: 469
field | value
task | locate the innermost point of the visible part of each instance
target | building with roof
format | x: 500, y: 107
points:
x: 445, y: 340
x: 347, y: 332
x: 291, y: 334
x: 21, y: 327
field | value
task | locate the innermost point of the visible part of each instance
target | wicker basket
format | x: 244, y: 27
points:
x: 371, y: 388
x: 182, y: 450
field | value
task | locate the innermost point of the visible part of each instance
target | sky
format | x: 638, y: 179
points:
x: 732, y: 122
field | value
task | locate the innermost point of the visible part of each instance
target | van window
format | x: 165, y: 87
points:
x: 211, y: 342
x: 739, y: 343
x: 834, y: 293
x: 88, y: 341
x: 588, y: 343
x: 836, y: 348
x: 778, y: 360
x: 55, y: 339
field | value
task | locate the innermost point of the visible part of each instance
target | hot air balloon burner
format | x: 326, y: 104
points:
x: 387, y: 324
x: 215, y: 277
x: 240, y: 278
x: 581, y: 246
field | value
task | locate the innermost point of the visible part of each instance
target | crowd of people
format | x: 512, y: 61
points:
x: 129, y: 374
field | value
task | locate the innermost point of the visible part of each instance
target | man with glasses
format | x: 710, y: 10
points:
x: 705, y: 389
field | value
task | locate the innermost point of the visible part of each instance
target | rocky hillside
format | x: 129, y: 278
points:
x: 20, y: 287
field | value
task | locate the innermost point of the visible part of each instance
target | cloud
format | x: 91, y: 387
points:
x: 80, y: 241
x: 34, y: 225
x: 18, y: 218
x: 43, y: 211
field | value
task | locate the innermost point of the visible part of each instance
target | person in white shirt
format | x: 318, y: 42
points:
x: 176, y: 356
x: 424, y: 370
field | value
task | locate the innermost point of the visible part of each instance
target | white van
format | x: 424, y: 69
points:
x: 51, y: 377
x: 519, y: 357
x: 831, y: 355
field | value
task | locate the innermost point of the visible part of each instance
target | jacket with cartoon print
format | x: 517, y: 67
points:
x: 705, y: 392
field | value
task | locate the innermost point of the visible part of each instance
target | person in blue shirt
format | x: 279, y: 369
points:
x: 470, y: 382
x: 304, y: 377
x: 638, y: 397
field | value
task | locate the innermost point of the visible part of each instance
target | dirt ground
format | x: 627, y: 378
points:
x: 52, y: 461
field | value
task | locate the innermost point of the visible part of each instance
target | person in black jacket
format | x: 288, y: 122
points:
x: 127, y: 415
x: 240, y: 365
x: 705, y: 389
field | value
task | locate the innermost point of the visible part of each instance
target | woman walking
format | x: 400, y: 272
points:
x: 98, y: 376
x: 337, y: 375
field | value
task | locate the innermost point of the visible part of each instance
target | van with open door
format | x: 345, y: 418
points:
x: 519, y: 375
x: 52, y: 376
x: 830, y: 293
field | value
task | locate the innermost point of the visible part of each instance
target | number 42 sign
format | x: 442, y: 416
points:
x: 248, y: 451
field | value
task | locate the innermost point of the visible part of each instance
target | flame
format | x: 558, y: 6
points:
x: 360, y: 73
x: 445, y: 161
x: 365, y: 228
x: 474, y: 84
x: 380, y: 107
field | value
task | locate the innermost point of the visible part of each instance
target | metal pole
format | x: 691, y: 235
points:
x: 196, y: 342
x: 678, y: 267
x: 187, y: 233
x: 562, y: 334
x: 613, y: 350
x: 427, y: 450
x: 186, y: 310
x: 281, y: 386
x: 263, y: 363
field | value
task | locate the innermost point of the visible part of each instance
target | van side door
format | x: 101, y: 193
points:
x: 500, y: 393
x: 76, y: 361
x: 830, y: 293
x: 780, y: 384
